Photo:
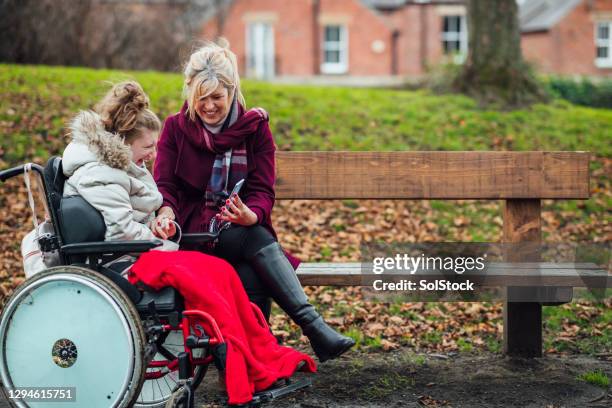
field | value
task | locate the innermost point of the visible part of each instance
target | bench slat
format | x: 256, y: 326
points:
x: 432, y: 175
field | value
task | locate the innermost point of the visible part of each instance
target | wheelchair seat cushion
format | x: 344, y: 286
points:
x: 113, y: 272
x: 167, y: 300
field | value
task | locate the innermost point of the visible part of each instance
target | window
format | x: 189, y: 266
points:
x: 454, y: 37
x: 335, y: 50
x: 603, y: 44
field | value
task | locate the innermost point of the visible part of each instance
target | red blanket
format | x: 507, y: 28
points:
x: 254, y: 358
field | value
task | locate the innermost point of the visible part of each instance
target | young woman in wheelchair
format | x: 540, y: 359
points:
x: 105, y: 162
x: 203, y: 151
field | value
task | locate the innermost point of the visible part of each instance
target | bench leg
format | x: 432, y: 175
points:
x: 523, y: 329
x: 522, y: 320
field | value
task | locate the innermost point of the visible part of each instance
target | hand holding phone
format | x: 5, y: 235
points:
x: 235, y: 210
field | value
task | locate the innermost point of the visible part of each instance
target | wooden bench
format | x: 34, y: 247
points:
x: 521, y: 179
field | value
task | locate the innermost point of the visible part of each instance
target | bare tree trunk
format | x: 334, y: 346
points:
x: 222, y: 8
x: 494, y: 72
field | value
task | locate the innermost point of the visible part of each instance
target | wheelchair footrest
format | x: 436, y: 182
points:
x: 289, y: 387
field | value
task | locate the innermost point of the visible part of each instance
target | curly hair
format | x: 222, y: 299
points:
x: 125, y: 111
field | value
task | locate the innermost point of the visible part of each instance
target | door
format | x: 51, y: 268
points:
x: 260, y: 50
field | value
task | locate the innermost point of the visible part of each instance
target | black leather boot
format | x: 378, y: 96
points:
x: 273, y: 268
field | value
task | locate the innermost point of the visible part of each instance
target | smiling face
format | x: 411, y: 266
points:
x: 144, y: 147
x: 214, y: 107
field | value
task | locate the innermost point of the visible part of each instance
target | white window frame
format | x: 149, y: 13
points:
x: 340, y: 67
x: 461, y: 36
x: 607, y: 43
x: 263, y: 67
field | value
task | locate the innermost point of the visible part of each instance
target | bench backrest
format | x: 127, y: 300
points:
x: 522, y: 179
x: 432, y: 175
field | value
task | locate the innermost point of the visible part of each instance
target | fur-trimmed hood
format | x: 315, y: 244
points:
x: 92, y: 143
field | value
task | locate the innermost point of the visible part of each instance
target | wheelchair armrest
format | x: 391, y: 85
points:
x: 198, y: 238
x: 103, y: 247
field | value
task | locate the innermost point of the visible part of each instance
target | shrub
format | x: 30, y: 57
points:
x: 583, y: 92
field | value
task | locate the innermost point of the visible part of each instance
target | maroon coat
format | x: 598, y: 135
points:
x: 182, y: 170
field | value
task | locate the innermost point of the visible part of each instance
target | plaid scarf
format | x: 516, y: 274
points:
x: 229, y: 168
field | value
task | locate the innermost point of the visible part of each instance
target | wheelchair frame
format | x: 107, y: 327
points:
x: 199, y: 330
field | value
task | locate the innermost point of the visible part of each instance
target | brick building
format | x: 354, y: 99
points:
x: 569, y: 37
x: 401, y: 38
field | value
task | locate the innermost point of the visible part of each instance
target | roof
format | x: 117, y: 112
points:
x: 384, y: 4
x: 541, y: 15
x: 534, y: 15
x: 395, y: 4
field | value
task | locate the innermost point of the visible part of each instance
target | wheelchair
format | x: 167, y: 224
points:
x: 83, y: 325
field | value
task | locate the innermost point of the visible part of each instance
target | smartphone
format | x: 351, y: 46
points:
x: 236, y: 189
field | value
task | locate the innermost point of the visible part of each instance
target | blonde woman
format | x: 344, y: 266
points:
x: 203, y: 151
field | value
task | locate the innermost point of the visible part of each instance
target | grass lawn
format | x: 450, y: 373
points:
x: 36, y: 102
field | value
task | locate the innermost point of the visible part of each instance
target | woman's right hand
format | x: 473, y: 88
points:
x: 161, y: 225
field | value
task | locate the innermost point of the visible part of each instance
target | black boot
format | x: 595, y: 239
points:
x: 276, y: 272
x: 255, y: 288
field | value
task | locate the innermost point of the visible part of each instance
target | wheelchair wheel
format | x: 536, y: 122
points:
x: 72, y: 327
x: 155, y: 393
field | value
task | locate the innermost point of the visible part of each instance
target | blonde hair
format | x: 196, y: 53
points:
x: 208, y: 67
x: 125, y: 110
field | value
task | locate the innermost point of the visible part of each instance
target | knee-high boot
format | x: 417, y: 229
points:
x: 273, y: 268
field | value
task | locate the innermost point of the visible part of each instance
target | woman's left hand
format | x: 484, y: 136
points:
x: 237, y: 212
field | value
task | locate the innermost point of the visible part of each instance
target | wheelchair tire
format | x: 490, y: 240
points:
x: 72, y: 327
x: 155, y: 393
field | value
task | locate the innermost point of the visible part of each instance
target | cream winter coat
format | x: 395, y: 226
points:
x: 99, y: 168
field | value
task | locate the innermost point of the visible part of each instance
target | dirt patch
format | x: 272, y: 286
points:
x: 405, y: 379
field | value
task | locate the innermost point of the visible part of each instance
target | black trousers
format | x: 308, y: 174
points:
x: 236, y: 245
